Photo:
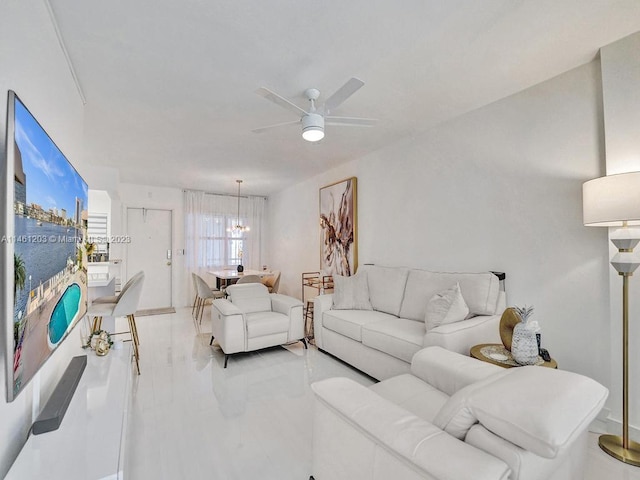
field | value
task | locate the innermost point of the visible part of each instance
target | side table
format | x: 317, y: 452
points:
x: 496, y: 354
x: 320, y: 284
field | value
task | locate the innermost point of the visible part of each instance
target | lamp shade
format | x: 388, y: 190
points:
x: 612, y: 201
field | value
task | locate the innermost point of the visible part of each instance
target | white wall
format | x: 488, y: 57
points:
x: 496, y: 189
x: 33, y: 65
x: 621, y: 95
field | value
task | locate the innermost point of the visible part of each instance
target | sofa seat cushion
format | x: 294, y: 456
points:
x: 349, y: 322
x: 411, y: 393
x: 398, y: 337
x: 266, y: 323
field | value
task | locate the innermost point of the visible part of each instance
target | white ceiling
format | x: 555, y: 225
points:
x: 169, y: 85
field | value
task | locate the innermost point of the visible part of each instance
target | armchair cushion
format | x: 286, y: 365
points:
x: 345, y: 408
x: 513, y: 406
x: 266, y: 323
x: 250, y: 297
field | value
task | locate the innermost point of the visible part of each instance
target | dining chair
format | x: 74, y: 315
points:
x: 204, y: 293
x: 272, y: 282
x: 249, y: 279
x: 126, y: 306
x: 195, y: 288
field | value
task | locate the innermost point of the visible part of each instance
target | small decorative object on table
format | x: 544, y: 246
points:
x: 240, y: 267
x: 99, y: 341
x: 524, y: 344
x: 508, y: 321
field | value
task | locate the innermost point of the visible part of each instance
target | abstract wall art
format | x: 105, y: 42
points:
x: 338, y: 228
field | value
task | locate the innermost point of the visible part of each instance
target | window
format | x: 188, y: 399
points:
x: 220, y: 247
x: 98, y: 232
x: 209, y: 245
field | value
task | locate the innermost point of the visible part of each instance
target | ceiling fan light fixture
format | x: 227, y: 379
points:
x: 312, y: 127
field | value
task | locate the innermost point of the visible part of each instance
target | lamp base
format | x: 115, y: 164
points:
x: 612, y: 444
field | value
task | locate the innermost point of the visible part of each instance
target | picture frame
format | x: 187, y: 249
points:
x: 339, y: 228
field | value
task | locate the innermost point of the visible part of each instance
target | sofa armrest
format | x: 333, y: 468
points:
x: 377, y: 433
x: 321, y: 304
x: 449, y: 371
x: 461, y: 336
x: 228, y: 326
x: 291, y: 307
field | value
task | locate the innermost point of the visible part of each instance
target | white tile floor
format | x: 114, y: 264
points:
x: 190, y: 418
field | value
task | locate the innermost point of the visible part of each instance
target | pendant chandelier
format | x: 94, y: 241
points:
x: 238, y: 228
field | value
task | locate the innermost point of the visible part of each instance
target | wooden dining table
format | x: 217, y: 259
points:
x: 224, y: 278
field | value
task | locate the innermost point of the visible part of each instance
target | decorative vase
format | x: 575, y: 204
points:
x: 524, y: 345
x: 102, y: 347
x: 240, y: 268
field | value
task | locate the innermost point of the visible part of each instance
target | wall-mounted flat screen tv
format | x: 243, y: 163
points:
x: 45, y: 215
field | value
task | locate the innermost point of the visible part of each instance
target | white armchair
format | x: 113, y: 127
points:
x: 251, y: 318
x: 455, y: 418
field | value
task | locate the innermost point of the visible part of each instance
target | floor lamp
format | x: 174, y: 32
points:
x: 614, y: 201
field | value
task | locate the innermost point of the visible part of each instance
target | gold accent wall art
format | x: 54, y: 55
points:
x: 338, y: 228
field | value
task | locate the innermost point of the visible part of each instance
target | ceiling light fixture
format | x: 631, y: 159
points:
x: 313, y: 127
x: 238, y: 228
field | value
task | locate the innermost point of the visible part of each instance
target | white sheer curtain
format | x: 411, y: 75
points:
x: 208, y: 244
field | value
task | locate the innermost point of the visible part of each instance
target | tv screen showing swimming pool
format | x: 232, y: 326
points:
x: 45, y: 290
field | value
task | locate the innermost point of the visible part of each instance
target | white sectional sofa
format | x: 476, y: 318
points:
x: 455, y: 418
x: 382, y: 341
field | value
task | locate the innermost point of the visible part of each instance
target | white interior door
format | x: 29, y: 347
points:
x: 150, y: 250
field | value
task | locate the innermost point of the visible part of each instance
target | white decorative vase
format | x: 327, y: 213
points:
x: 524, y: 345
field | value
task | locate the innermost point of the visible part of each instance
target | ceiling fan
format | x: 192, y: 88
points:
x: 315, y: 118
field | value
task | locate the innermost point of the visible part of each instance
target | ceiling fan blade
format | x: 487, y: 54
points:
x: 344, y: 92
x: 277, y: 99
x: 350, y: 121
x: 269, y: 127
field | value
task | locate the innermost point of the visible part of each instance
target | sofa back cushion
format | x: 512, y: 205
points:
x: 479, y: 290
x: 250, y: 297
x: 351, y: 293
x: 536, y: 408
x: 386, y: 287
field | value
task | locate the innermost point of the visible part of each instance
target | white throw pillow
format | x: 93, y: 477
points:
x: 446, y: 307
x: 351, y: 293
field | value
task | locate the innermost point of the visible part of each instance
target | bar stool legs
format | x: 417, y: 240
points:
x: 195, y: 302
x: 97, y: 324
x: 134, y: 340
x: 133, y: 331
x: 308, y: 321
